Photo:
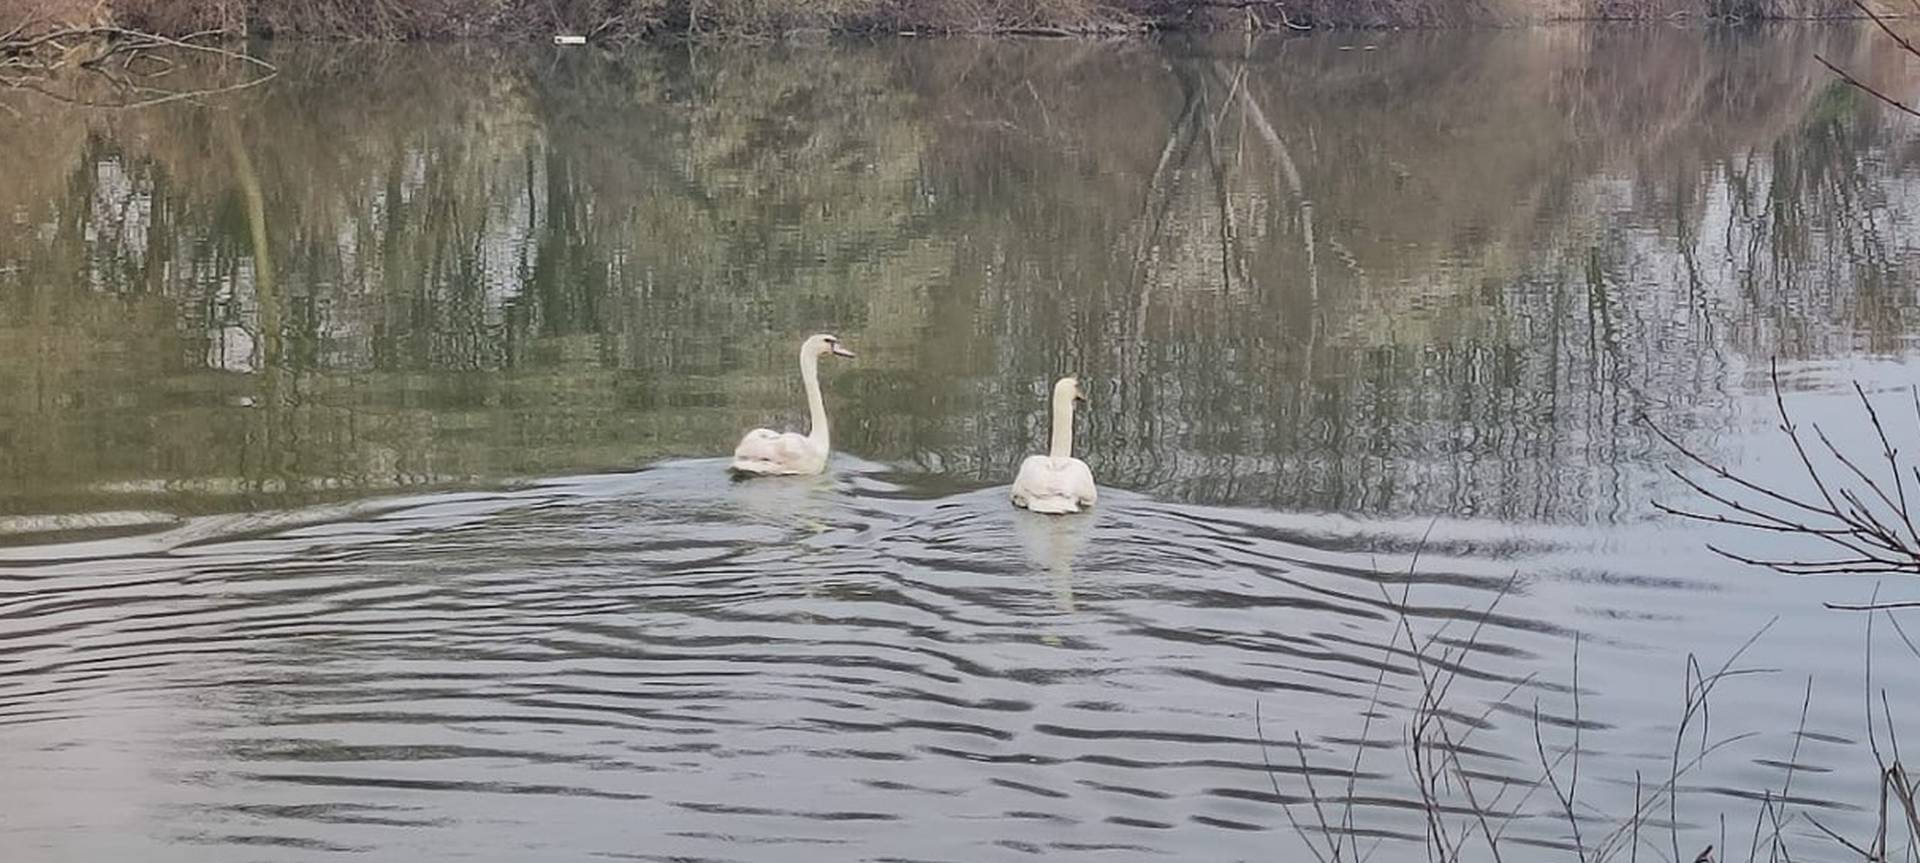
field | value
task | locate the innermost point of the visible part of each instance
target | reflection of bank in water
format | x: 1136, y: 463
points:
x: 507, y: 280
x: 231, y: 348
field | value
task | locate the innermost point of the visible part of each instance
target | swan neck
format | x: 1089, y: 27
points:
x: 1062, y: 442
x: 816, y: 406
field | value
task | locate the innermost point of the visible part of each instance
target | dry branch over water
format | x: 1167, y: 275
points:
x: 1863, y: 509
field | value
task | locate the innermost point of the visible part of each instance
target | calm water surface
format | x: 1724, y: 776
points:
x: 359, y: 437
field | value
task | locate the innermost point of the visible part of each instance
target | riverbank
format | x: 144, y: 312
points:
x: 378, y: 20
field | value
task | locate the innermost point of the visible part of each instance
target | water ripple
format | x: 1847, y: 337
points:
x: 733, y: 666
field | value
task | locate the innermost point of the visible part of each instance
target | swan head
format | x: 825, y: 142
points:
x: 822, y: 345
x: 1069, y: 388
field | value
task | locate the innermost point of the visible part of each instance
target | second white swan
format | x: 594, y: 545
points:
x: 765, y: 452
x: 1057, y: 482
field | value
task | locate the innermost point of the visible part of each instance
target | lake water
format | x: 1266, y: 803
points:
x: 362, y: 436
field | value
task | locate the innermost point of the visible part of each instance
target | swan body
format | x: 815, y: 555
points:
x: 765, y: 452
x: 1057, y: 483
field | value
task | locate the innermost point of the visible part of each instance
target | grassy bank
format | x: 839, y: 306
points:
x: 392, y: 20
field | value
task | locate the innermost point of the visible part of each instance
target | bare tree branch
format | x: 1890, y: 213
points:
x: 1870, y: 518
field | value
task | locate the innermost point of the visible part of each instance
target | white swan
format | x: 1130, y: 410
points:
x: 765, y: 452
x: 1057, y: 482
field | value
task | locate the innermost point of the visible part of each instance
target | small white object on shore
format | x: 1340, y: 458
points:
x: 564, y: 39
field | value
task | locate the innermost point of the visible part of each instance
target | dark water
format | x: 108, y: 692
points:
x: 359, y: 490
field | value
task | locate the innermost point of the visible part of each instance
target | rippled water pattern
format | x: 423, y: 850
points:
x: 670, y: 665
x: 359, y: 435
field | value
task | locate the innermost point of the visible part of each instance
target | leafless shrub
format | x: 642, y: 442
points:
x: 1385, y: 13
x: 1893, y: 782
x: 1469, y: 815
x: 98, y: 63
x: 1864, y: 512
x: 394, y: 20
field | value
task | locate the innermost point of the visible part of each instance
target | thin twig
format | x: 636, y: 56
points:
x: 1869, y: 855
x: 1566, y: 802
x: 1871, y: 91
x: 1872, y: 606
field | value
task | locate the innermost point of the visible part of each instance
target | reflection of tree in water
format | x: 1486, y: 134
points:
x: 1499, y: 287
x: 1438, y: 276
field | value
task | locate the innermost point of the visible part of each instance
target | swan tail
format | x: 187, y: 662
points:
x: 1051, y: 505
x: 758, y: 467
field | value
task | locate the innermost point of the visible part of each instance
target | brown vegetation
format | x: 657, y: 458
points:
x: 91, y: 61
x: 393, y: 20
